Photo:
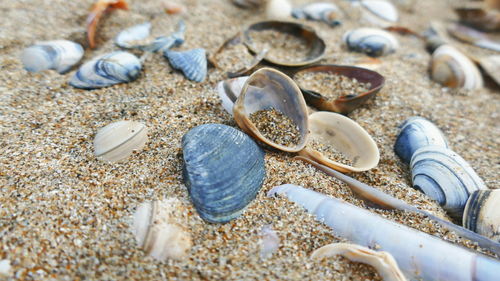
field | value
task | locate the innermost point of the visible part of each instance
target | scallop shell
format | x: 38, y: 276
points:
x: 445, y: 177
x: 223, y: 170
x: 319, y: 11
x: 107, y: 70
x: 192, y: 63
x: 159, y: 229
x: 371, y: 41
x: 482, y: 214
x: 59, y: 55
x: 268, y: 88
x: 118, y: 140
x: 379, y: 12
x: 229, y: 91
x: 417, y: 132
x: 451, y: 68
x: 345, y: 136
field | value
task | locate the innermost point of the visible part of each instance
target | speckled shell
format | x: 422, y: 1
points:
x: 59, y: 55
x: 326, y: 12
x: 417, y: 132
x: 371, y: 41
x: 223, y: 170
x: 482, y: 213
x: 159, y: 228
x: 118, y: 140
x: 451, y: 68
x: 107, y: 70
x: 379, y: 12
x: 445, y: 177
x: 229, y: 91
x: 192, y: 63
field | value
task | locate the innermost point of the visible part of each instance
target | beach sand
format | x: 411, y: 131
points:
x: 66, y: 215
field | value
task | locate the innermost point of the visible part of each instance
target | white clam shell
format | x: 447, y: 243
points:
x: 371, y: 41
x: 118, y: 140
x: 379, y: 12
x: 131, y: 37
x: 278, y: 9
x: 59, y: 55
x: 229, y: 91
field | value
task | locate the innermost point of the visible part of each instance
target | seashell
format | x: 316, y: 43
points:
x: 445, y: 177
x: 118, y: 140
x: 107, y: 70
x: 343, y: 104
x: 99, y: 8
x: 192, y: 63
x: 159, y: 229
x: 319, y: 11
x: 268, y: 88
x: 129, y: 37
x: 173, y: 8
x: 138, y: 37
x: 371, y: 41
x: 278, y: 9
x: 223, y: 170
x: 481, y: 213
x: 315, y: 44
x: 59, y: 55
x: 491, y: 66
x: 384, y: 262
x: 249, y: 4
x: 379, y: 12
x: 451, y: 68
x: 269, y: 242
x: 417, y: 132
x: 477, y: 17
x: 229, y: 91
x: 344, y: 135
x: 5, y: 268
x: 435, y: 36
x: 474, y: 37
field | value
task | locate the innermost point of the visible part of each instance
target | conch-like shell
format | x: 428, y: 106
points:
x: 384, y: 262
x: 59, y: 55
x: 98, y: 10
x: 268, y: 88
x: 482, y: 213
x: 345, y: 136
x: 118, y: 140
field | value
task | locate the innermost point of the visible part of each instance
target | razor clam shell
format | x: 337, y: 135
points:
x: 417, y: 132
x: 451, y: 68
x: 59, y: 55
x: 371, y: 41
x: 379, y: 12
x: 326, y: 12
x: 192, y: 63
x: 107, y: 70
x: 118, y: 140
x: 223, y: 170
x: 445, y: 177
x: 229, y: 91
x: 482, y: 213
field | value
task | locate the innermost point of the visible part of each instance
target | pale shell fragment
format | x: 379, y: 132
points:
x: 384, y: 262
x: 229, y: 91
x: 379, y: 12
x: 5, y: 268
x: 278, y: 9
x: 118, y: 140
x: 269, y: 242
x: 59, y: 55
x: 482, y: 214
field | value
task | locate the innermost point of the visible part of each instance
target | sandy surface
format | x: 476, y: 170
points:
x: 66, y: 215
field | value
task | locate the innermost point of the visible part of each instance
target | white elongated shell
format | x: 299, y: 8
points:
x: 482, y: 213
x: 59, y: 55
x: 118, y: 140
x: 451, y: 68
x: 229, y: 91
x: 371, y: 41
x: 278, y: 9
x: 132, y: 36
x: 384, y: 262
x: 385, y: 10
x: 159, y: 229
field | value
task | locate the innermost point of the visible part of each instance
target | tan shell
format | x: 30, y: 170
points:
x: 491, y: 65
x: 384, y: 262
x: 118, y: 140
x: 479, y: 17
x: 346, y: 136
x: 268, y: 88
x: 482, y: 213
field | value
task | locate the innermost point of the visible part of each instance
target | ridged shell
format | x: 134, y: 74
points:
x: 223, y: 170
x: 417, y: 132
x: 382, y: 9
x: 371, y: 41
x: 59, y: 55
x: 482, y: 213
x: 229, y: 91
x: 445, y: 177
x: 159, y: 228
x: 192, y: 63
x: 118, y: 140
x: 107, y: 70
x: 319, y: 11
x: 451, y: 68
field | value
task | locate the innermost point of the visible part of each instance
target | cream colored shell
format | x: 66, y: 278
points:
x: 118, y: 140
x: 278, y: 9
x: 482, y: 213
x: 379, y: 12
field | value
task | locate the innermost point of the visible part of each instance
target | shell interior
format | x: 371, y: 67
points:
x: 118, y: 140
x: 229, y: 91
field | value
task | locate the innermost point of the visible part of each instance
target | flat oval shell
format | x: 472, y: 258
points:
x: 381, y: 8
x: 482, y: 213
x: 59, y: 55
x: 118, y: 140
x: 371, y: 41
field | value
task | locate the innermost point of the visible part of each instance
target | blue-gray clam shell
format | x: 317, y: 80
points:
x: 59, y: 55
x: 417, y: 132
x: 106, y: 70
x: 192, y: 63
x: 445, y: 177
x: 130, y: 37
x: 371, y: 41
x: 135, y: 37
x: 223, y: 170
x: 321, y: 11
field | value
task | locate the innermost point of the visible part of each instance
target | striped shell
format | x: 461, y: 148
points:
x: 371, y: 41
x: 59, y: 55
x: 192, y: 63
x: 482, y: 213
x: 326, y: 12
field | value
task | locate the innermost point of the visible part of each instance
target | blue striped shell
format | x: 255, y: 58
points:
x: 192, y: 63
x: 371, y: 41
x: 106, y: 70
x: 59, y: 55
x: 223, y: 170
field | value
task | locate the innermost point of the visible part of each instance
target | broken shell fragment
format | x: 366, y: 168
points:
x: 129, y: 37
x: 384, y: 262
x: 481, y: 213
x: 326, y: 12
x: 371, y: 41
x: 269, y: 242
x: 192, y: 63
x: 229, y: 91
x: 267, y: 89
x: 159, y: 229
x: 345, y: 103
x: 474, y: 37
x: 345, y: 136
x: 118, y: 140
x: 98, y: 10
x: 453, y: 69
x: 59, y: 55
x: 379, y: 12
